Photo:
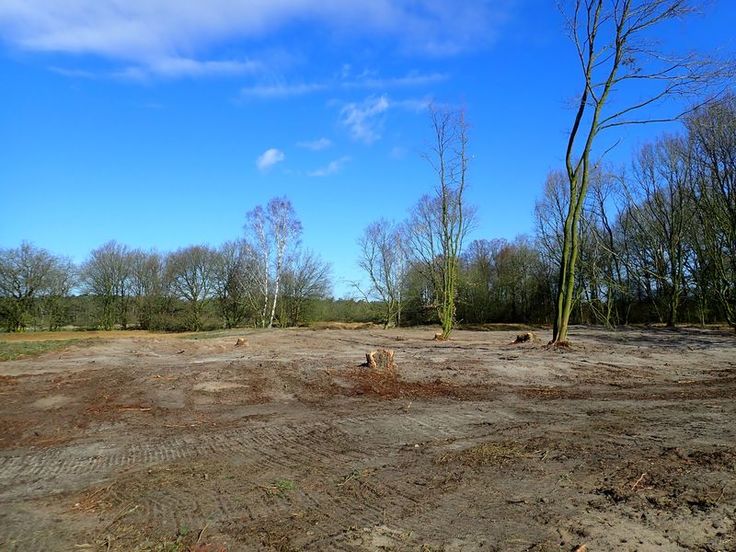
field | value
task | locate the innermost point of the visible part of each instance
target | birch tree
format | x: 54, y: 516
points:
x: 272, y: 235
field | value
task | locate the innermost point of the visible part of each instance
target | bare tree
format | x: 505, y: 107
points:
x: 617, y: 62
x: 107, y: 276
x: 604, y: 212
x: 147, y: 287
x: 712, y: 130
x: 384, y: 260
x: 659, y: 198
x: 439, y: 223
x: 190, y: 273
x: 479, y: 275
x: 55, y: 305
x: 230, y: 281
x: 306, y: 279
x: 549, y: 215
x: 26, y: 274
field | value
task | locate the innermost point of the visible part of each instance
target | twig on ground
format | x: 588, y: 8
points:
x: 199, y: 537
x: 636, y: 483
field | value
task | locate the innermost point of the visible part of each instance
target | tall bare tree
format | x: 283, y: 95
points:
x: 285, y: 231
x: 258, y: 247
x: 618, y: 61
x: 384, y: 260
x: 439, y: 223
x: 660, y: 208
x: 712, y: 131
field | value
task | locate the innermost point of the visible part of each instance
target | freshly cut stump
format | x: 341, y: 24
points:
x: 381, y: 360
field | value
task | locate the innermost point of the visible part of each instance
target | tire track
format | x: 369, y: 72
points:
x: 312, y: 453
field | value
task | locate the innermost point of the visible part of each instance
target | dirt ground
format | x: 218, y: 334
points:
x: 627, y: 441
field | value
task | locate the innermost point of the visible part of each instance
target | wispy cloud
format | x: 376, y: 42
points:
x: 333, y: 167
x: 413, y: 104
x: 372, y: 80
x: 151, y: 35
x: 269, y: 91
x: 363, y: 120
x: 316, y: 145
x: 367, y: 80
x: 73, y: 73
x: 269, y: 158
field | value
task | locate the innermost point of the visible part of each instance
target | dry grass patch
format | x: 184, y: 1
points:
x: 389, y: 385
x: 344, y: 326
x: 486, y: 454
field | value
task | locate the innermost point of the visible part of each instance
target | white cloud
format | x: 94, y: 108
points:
x: 413, y: 104
x: 316, y: 145
x: 73, y: 73
x: 178, y: 67
x: 269, y: 158
x: 333, y: 167
x: 363, y: 120
x: 166, y: 36
x: 413, y: 78
x: 346, y: 81
x: 268, y: 91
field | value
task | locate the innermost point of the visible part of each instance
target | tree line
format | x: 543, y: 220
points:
x: 657, y: 243
x: 264, y: 276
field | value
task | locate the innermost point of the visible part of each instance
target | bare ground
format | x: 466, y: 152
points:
x: 625, y: 442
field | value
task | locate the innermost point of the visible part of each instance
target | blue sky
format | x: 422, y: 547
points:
x: 160, y: 123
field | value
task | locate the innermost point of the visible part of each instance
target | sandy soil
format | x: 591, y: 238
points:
x: 625, y: 442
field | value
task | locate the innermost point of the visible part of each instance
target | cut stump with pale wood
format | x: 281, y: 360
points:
x: 381, y: 360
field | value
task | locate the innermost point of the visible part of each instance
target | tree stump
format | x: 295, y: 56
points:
x: 381, y: 360
x: 524, y: 338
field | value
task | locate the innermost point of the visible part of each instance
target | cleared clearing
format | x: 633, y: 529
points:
x: 153, y: 442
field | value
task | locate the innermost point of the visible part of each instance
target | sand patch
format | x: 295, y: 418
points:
x: 51, y: 402
x: 215, y: 386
